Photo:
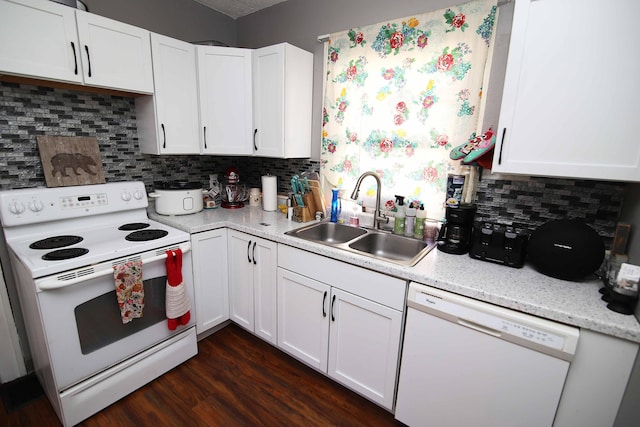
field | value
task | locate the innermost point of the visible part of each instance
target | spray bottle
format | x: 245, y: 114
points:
x: 398, y: 225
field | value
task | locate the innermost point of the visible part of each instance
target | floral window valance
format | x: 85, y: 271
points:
x: 400, y: 95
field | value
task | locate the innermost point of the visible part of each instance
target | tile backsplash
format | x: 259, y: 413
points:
x: 27, y: 111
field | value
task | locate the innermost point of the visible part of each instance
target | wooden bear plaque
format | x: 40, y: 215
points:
x: 70, y: 160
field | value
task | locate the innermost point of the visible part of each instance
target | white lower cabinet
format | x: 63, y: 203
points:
x: 252, y: 283
x: 328, y: 320
x: 211, y: 279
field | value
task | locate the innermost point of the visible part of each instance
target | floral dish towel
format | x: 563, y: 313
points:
x: 129, y: 289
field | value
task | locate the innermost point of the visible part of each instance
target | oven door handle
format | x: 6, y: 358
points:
x: 55, y: 283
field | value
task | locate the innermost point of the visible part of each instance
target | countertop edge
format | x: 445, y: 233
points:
x: 503, y: 286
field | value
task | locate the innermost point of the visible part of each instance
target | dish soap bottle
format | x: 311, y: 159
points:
x: 398, y: 225
x: 336, y: 205
x: 418, y: 230
x: 410, y: 221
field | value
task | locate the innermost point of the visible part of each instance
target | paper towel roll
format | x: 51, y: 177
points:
x: 269, y: 193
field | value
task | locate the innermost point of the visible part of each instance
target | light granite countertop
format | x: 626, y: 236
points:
x: 521, y: 289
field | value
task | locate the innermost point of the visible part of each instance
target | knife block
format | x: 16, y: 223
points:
x: 307, y: 212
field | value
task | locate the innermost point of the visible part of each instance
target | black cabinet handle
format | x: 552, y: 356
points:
x: 164, y: 136
x: 255, y: 147
x: 86, y: 48
x: 504, y: 132
x: 253, y: 254
x: 333, y: 301
x: 249, y: 247
x: 75, y: 58
x: 324, y: 300
x: 205, y: 137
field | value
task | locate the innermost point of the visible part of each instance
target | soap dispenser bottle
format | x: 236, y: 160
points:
x: 336, y: 205
x: 398, y: 225
x: 410, y: 220
x: 418, y: 229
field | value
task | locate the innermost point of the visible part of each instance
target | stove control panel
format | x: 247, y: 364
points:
x: 34, y: 205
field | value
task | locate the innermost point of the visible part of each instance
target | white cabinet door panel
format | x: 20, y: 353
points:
x: 39, y: 39
x: 568, y: 106
x: 303, y: 318
x: 240, y: 280
x: 364, y: 342
x: 211, y: 278
x: 265, y: 255
x: 114, y: 54
x: 225, y: 88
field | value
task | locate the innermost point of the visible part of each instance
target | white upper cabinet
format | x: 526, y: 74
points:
x: 114, y: 54
x: 39, y: 39
x: 168, y: 120
x: 224, y: 85
x: 47, y: 40
x: 282, y: 91
x: 569, y: 106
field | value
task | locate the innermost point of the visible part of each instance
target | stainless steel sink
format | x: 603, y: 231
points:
x: 373, y: 243
x: 328, y: 232
x: 390, y: 246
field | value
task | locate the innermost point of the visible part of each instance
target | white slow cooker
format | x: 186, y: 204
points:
x: 178, y: 198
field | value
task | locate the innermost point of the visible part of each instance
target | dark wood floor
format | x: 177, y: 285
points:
x: 235, y: 380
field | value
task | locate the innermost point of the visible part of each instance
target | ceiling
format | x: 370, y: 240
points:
x: 238, y: 8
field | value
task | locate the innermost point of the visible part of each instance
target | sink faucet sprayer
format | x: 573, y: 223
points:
x: 378, y: 216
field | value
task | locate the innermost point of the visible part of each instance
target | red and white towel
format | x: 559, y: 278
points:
x: 177, y: 301
x: 129, y: 289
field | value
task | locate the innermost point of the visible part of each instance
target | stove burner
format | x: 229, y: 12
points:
x: 143, y: 235
x: 63, y: 254
x: 133, y: 226
x: 56, y: 242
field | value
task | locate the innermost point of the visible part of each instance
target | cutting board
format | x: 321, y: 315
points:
x: 70, y: 160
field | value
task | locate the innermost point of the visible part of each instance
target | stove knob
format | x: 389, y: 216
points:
x: 126, y: 196
x: 36, y: 206
x: 16, y: 208
x: 138, y: 195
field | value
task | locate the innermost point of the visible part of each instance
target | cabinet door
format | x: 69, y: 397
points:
x: 168, y: 120
x: 264, y: 254
x: 114, y: 55
x: 268, y: 101
x: 240, y: 279
x: 39, y: 39
x: 364, y: 344
x: 303, y: 318
x: 210, y: 277
x: 224, y: 84
x: 568, y: 105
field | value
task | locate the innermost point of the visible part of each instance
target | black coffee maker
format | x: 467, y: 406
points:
x: 455, y: 233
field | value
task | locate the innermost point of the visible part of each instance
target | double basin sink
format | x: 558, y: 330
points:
x: 374, y: 243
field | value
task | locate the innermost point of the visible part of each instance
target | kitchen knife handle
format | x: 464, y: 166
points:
x: 75, y: 58
x: 205, y: 137
x: 324, y: 301
x: 504, y: 132
x: 164, y: 136
x: 333, y: 301
x: 86, y: 48
x: 255, y: 132
x: 253, y: 253
x: 248, y: 248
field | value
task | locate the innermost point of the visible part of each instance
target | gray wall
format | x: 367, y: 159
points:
x: 181, y: 19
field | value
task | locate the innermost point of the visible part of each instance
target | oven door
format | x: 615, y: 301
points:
x: 82, y: 322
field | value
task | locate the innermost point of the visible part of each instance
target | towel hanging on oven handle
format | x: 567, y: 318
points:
x: 56, y: 283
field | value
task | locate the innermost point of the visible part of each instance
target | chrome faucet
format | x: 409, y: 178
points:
x: 378, y: 216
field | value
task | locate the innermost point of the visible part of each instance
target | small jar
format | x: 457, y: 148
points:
x: 254, y: 197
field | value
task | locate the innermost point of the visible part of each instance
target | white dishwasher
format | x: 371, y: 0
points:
x: 468, y: 363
